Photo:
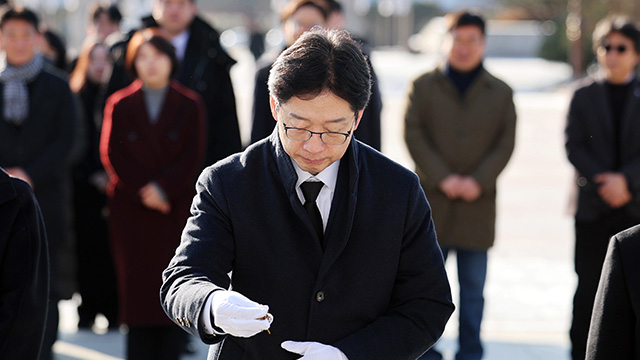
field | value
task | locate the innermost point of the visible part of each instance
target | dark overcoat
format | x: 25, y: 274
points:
x: 205, y: 70
x: 24, y: 271
x: 615, y: 323
x: 135, y: 152
x: 473, y: 135
x: 590, y: 145
x: 378, y: 291
x: 42, y: 146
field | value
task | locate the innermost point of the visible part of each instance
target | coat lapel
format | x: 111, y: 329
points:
x: 630, y: 119
x: 602, y: 101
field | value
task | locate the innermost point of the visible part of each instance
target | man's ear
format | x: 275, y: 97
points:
x: 359, y: 117
x: 274, y: 107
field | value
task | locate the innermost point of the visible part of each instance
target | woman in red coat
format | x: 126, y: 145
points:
x: 152, y: 146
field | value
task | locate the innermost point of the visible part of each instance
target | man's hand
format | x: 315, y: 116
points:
x: 20, y: 174
x: 153, y: 198
x: 470, y: 189
x: 451, y: 186
x: 314, y: 350
x: 613, y: 189
x: 236, y: 315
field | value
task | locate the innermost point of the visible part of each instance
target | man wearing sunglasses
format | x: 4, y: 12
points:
x: 310, y: 243
x: 602, y: 144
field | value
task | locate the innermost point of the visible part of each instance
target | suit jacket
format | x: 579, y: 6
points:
x: 590, y: 146
x: 42, y: 146
x: 205, y: 70
x: 24, y: 271
x: 378, y: 291
x: 263, y: 123
x: 615, y: 323
x: 135, y: 152
x: 472, y: 135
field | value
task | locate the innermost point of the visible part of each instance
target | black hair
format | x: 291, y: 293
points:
x: 616, y: 24
x: 465, y: 18
x: 111, y: 10
x: 322, y: 60
x: 334, y: 6
x: 20, y: 13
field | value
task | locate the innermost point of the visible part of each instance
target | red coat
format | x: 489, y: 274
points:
x: 135, y: 152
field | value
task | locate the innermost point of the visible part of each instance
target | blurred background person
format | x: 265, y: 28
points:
x: 602, y: 146
x: 152, y: 145
x: 54, y: 50
x: 96, y: 275
x: 24, y: 271
x: 37, y: 133
x: 105, y: 19
x: 204, y: 68
x: 298, y: 16
x: 460, y: 124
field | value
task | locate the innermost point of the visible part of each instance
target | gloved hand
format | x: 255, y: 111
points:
x: 236, y: 315
x: 314, y: 350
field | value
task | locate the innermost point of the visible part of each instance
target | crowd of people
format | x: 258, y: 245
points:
x: 123, y: 176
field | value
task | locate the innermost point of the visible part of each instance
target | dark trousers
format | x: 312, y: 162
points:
x: 592, y: 239
x: 155, y: 342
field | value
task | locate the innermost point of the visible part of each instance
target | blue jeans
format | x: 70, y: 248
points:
x: 472, y: 272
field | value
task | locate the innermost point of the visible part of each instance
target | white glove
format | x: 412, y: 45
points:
x: 313, y: 350
x: 238, y: 316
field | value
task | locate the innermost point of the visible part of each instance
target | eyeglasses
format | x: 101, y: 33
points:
x: 327, y: 137
x: 620, y: 48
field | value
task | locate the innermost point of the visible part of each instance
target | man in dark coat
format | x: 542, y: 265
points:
x: 37, y: 131
x: 299, y: 16
x: 602, y: 145
x: 354, y: 273
x: 204, y: 68
x: 24, y: 271
x: 615, y: 323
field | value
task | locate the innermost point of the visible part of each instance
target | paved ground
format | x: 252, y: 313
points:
x: 531, y: 281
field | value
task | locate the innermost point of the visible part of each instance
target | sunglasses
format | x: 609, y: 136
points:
x: 620, y: 48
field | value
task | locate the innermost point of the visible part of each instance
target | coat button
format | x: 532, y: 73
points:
x: 201, y: 85
x: 320, y: 296
x: 582, y: 181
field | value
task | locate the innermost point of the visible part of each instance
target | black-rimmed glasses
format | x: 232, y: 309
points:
x: 327, y: 137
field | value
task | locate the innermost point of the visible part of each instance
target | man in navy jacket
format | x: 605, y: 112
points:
x: 351, y: 272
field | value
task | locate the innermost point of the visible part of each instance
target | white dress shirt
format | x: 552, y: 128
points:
x: 180, y: 43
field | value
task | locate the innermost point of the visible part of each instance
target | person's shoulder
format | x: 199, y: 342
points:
x: 586, y: 85
x: 54, y: 76
x: 185, y: 92
x: 497, y: 83
x: 378, y: 166
x: 13, y: 188
x: 254, y: 157
x: 121, y: 96
x: 630, y: 239
x: 428, y: 76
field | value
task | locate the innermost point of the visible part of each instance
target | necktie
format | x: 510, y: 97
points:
x: 310, y: 190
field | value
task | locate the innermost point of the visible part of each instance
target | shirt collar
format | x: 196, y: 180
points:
x: 180, y: 43
x: 328, y: 176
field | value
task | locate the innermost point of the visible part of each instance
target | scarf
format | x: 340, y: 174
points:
x: 16, y: 93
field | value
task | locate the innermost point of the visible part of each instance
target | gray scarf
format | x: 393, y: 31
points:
x: 16, y: 93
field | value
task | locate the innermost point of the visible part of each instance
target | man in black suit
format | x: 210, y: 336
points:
x: 615, y: 323
x: 204, y: 68
x: 24, y: 271
x: 324, y: 242
x: 602, y: 144
x: 37, y: 130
